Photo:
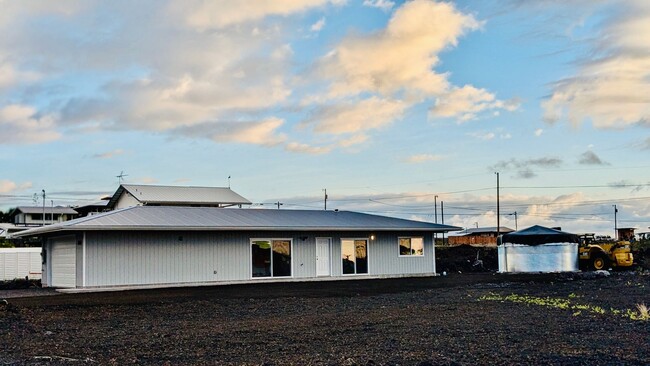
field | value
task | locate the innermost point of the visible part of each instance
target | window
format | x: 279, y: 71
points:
x: 411, y: 246
x: 354, y: 256
x: 271, y: 257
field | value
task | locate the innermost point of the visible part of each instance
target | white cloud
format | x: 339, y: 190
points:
x: 352, y: 141
x: 22, y: 124
x: 353, y: 117
x: 539, y: 132
x: 263, y: 132
x: 399, y: 62
x: 400, y: 57
x: 204, y: 15
x: 385, y: 5
x: 307, y: 149
x: 9, y: 76
x: 7, y: 186
x: 175, y: 77
x: 316, y: 27
x: 422, y: 158
x: 465, y: 103
x: 613, y: 89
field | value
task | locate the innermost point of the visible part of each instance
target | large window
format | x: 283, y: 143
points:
x: 271, y: 257
x: 411, y: 246
x: 354, y: 256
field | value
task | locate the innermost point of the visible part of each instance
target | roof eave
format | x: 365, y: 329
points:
x: 212, y: 228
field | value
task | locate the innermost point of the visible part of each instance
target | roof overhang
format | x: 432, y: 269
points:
x: 58, y: 230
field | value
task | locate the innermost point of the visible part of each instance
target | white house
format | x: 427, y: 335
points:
x: 163, y: 245
x: 35, y: 216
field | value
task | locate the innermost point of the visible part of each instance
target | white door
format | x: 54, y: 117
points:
x: 323, y: 256
x: 64, y: 257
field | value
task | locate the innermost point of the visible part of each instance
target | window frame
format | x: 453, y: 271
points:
x: 399, y: 238
x: 250, y: 258
x: 355, y: 257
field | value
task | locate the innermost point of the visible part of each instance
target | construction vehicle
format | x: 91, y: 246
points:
x: 602, y: 252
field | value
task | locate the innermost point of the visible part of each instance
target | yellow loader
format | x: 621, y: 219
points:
x: 600, y: 254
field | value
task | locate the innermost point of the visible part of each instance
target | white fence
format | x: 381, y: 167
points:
x: 20, y: 263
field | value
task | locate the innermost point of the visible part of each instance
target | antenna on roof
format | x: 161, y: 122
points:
x: 120, y: 177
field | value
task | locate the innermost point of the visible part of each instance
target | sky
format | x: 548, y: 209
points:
x: 397, y: 108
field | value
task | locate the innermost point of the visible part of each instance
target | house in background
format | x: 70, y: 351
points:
x: 172, y: 245
x: 482, y: 236
x: 128, y: 195
x: 39, y: 216
x: 93, y: 208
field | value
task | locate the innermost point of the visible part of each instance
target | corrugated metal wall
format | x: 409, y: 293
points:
x: 20, y: 263
x: 130, y: 258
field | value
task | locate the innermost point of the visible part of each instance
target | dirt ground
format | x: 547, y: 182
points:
x: 467, y: 319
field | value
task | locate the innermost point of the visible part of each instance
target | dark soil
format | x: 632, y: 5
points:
x: 19, y: 284
x: 466, y: 258
x: 416, y: 321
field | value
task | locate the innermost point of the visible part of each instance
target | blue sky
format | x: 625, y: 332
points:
x: 384, y: 103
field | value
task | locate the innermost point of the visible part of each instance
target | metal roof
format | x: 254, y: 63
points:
x: 484, y: 230
x: 151, y: 194
x: 536, y: 235
x: 48, y: 210
x: 245, y: 219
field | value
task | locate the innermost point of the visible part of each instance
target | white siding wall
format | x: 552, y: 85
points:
x: 142, y: 258
x: 126, y: 200
x: 20, y: 263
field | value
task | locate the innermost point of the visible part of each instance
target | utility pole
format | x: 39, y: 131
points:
x: 435, y: 217
x: 52, y: 214
x: 498, y: 214
x: 43, y: 208
x: 442, y: 215
x: 279, y: 204
x: 325, y: 198
x: 516, y: 221
x: 615, y: 223
x: 435, y: 209
x: 228, y: 181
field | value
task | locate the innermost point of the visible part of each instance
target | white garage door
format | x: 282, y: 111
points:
x: 64, y: 255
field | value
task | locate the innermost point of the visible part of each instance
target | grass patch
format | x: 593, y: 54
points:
x: 577, y: 309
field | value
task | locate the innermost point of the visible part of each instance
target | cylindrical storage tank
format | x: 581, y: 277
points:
x: 538, y: 249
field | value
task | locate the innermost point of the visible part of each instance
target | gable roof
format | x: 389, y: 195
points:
x: 179, y: 195
x: 536, y: 235
x: 48, y: 210
x: 159, y: 218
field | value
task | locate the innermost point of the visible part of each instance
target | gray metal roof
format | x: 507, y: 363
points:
x: 484, y: 230
x: 152, y: 194
x: 48, y: 210
x: 246, y: 219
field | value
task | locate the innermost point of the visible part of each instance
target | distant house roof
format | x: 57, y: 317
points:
x: 98, y: 206
x: 48, y: 210
x: 218, y: 219
x: 536, y: 235
x: 484, y: 230
x: 177, y: 195
x: 6, y: 229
